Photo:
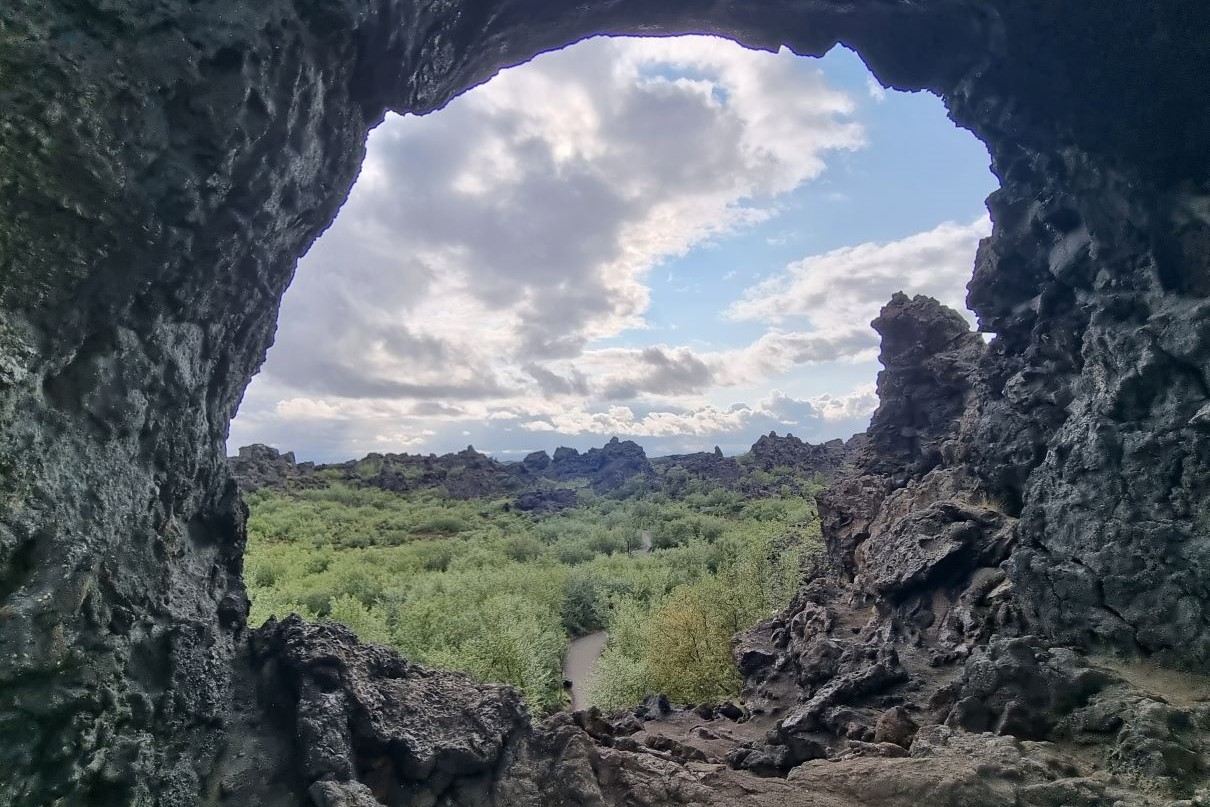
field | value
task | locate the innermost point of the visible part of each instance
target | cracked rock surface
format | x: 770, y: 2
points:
x: 163, y: 163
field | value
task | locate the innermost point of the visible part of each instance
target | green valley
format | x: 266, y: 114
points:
x: 475, y: 582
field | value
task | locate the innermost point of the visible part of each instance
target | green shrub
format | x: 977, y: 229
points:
x: 573, y: 552
x: 584, y: 609
x: 449, y: 525
x: 522, y: 548
x: 370, y: 466
x: 496, y: 593
x: 369, y: 624
x: 270, y: 602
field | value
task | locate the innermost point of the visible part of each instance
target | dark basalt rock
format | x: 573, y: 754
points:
x: 164, y: 163
x: 1018, y: 687
x: 773, y: 465
x: 678, y: 469
x: 259, y: 466
x: 930, y: 359
x: 536, y: 462
x: 366, y: 723
x: 653, y: 708
x: 546, y: 501
x: 912, y: 620
x: 895, y: 726
x: 609, y: 467
x: 771, y: 451
x: 466, y: 474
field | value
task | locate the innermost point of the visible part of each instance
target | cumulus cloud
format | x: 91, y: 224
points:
x: 659, y: 370
x: 552, y: 384
x: 856, y: 405
x: 838, y: 293
x: 519, y: 224
x: 487, y: 252
x: 778, y: 410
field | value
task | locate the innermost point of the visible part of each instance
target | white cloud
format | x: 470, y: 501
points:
x: 858, y: 404
x: 485, y: 248
x: 520, y: 223
x: 876, y: 90
x: 778, y: 409
x: 829, y: 299
x: 622, y: 420
x: 838, y: 293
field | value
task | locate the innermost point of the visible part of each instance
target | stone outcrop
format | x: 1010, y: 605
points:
x: 930, y: 359
x: 676, y: 470
x: 466, y: 474
x: 771, y: 451
x: 547, y: 500
x: 163, y: 165
x: 773, y: 465
x: 911, y: 632
x: 609, y: 467
x: 259, y: 466
x: 469, y: 474
x: 354, y: 724
x: 367, y: 726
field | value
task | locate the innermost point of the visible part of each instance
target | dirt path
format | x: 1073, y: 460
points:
x: 645, y: 549
x: 580, y: 663
x: 584, y: 652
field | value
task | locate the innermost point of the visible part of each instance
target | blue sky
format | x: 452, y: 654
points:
x: 918, y: 170
x: 676, y: 241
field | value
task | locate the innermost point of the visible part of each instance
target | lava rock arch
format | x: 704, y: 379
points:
x: 163, y: 163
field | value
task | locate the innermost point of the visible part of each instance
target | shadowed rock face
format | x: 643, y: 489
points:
x: 163, y: 164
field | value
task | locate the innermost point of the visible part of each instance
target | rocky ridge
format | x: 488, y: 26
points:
x: 465, y: 474
x: 771, y: 451
x: 904, y: 671
x: 164, y: 163
x: 618, y: 464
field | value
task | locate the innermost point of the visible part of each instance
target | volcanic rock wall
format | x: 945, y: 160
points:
x: 163, y: 163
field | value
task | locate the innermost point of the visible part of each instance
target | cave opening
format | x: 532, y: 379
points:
x: 163, y: 165
x: 627, y: 236
x: 679, y: 242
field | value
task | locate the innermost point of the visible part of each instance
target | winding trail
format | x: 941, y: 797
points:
x: 580, y: 662
x: 645, y: 549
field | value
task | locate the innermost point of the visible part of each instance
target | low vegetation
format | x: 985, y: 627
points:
x: 481, y: 587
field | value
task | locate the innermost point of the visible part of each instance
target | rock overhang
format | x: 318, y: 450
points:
x: 163, y: 165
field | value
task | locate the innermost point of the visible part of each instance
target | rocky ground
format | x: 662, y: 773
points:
x: 1022, y: 511
x: 904, y: 672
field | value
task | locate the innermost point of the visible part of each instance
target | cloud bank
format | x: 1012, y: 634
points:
x: 489, y: 253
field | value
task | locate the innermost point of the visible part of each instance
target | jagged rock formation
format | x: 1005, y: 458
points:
x: 771, y: 451
x: 164, y: 163
x: 259, y: 466
x: 369, y: 727
x: 466, y: 474
x: 469, y: 474
x: 609, y: 467
x: 931, y: 362
x: 708, y: 465
x: 773, y: 464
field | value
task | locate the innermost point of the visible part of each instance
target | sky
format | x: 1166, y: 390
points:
x: 676, y: 241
